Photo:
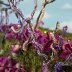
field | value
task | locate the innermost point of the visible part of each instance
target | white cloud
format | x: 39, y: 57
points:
x: 67, y: 23
x: 67, y: 6
x: 46, y: 15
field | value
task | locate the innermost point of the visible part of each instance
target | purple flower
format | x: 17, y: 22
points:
x: 45, y: 66
x: 47, y: 46
x: 4, y: 61
x: 15, y: 48
x: 56, y: 37
x: 4, y: 27
x: 65, y: 28
x: 9, y: 35
x: 20, y: 70
x: 9, y: 65
x: 58, y: 67
x: 66, y: 52
x: 36, y: 45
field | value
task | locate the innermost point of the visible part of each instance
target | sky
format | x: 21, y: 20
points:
x: 60, y: 10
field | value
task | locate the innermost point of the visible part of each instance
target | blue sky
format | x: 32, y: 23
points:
x: 60, y: 10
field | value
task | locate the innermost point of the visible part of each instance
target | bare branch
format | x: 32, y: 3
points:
x: 41, y: 14
x: 33, y: 12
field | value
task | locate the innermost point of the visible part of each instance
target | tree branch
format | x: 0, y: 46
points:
x: 41, y: 14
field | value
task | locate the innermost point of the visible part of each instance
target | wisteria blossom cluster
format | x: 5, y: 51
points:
x: 25, y: 33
